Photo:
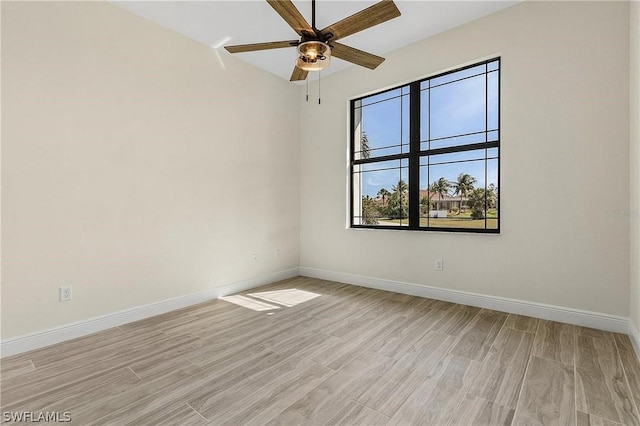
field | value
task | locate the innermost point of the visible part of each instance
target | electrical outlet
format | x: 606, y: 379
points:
x: 439, y: 265
x: 277, y: 255
x: 255, y: 257
x: 65, y: 294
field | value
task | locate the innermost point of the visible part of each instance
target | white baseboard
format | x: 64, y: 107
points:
x: 634, y: 335
x: 59, y: 334
x: 548, y: 312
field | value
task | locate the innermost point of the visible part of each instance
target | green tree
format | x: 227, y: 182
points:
x: 401, y: 187
x: 463, y: 186
x: 492, y: 196
x: 370, y: 212
x: 478, y: 203
x: 440, y: 187
x: 383, y: 193
x: 425, y: 204
x: 365, y: 150
x: 398, y: 206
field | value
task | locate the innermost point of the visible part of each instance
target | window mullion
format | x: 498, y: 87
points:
x: 414, y: 155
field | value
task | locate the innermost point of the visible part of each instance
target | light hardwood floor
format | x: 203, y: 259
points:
x: 307, y: 351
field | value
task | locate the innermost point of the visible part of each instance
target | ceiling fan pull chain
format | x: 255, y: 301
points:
x: 307, y: 82
x: 319, y: 78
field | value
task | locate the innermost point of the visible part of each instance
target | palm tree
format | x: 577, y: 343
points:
x: 397, y: 207
x: 440, y: 187
x: 365, y: 150
x: 401, y: 187
x: 383, y: 193
x: 463, y: 185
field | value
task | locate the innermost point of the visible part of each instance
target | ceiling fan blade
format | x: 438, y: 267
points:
x: 261, y: 46
x: 355, y: 56
x: 288, y: 11
x: 366, y: 18
x: 298, y: 74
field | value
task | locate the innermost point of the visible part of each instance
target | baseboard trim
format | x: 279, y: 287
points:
x: 65, y: 332
x: 634, y: 335
x: 549, y: 312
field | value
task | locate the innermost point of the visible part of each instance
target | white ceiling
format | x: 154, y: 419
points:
x: 210, y: 22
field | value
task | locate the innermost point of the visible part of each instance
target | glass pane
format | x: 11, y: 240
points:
x: 480, y: 69
x: 492, y: 100
x: 458, y: 108
x: 492, y: 194
x: 381, y: 97
x: 405, y: 123
x: 454, y: 141
x: 382, y: 127
x: 428, y: 199
x: 453, y: 191
x: 454, y: 157
x: 380, y: 193
x: 424, y: 122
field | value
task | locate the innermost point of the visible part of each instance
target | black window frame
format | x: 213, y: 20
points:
x: 415, y: 153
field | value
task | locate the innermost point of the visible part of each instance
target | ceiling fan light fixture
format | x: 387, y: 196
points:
x: 313, y: 56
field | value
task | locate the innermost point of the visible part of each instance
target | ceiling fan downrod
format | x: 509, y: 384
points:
x: 313, y: 16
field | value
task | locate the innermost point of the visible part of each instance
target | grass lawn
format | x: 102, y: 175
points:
x: 449, y: 222
x: 463, y: 220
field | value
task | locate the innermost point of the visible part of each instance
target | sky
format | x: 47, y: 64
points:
x: 447, y: 110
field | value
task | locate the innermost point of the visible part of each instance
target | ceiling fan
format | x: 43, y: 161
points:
x: 315, y: 46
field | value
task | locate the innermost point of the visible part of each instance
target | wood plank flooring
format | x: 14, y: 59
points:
x: 307, y: 351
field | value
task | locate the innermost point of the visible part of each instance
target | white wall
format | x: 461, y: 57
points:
x: 634, y: 157
x: 565, y: 121
x: 136, y: 165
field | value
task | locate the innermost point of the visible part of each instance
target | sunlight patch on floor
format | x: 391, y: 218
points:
x: 289, y: 297
x: 247, y: 302
x: 269, y: 300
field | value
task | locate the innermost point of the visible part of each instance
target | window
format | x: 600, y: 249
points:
x: 425, y: 156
